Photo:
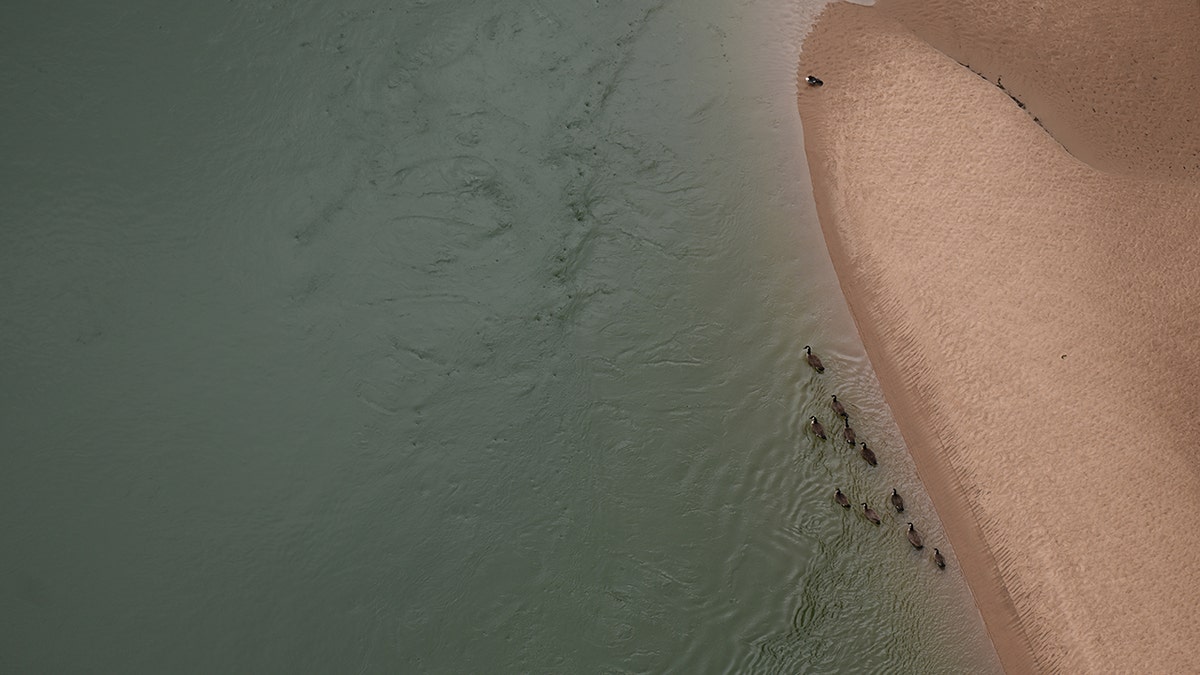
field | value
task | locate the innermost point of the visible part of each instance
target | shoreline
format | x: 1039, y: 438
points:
x: 1016, y: 313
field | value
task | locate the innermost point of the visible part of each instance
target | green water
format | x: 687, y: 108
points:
x: 434, y: 337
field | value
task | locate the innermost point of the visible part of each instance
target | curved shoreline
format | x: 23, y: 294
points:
x: 1027, y: 314
x: 977, y: 561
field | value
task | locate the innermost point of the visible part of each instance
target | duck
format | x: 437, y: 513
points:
x: 848, y: 433
x: 841, y: 499
x: 868, y: 455
x: 897, y: 501
x: 939, y: 559
x: 813, y: 81
x: 817, y: 428
x: 870, y: 514
x: 839, y: 408
x: 914, y: 537
x: 814, y: 360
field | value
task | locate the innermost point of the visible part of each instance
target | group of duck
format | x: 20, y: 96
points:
x: 868, y: 456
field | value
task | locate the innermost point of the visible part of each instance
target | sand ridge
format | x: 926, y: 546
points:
x: 1115, y: 82
x: 1029, y: 303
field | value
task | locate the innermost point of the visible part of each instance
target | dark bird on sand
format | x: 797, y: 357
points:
x: 841, y: 499
x: 813, y: 81
x: 938, y: 559
x: 870, y: 514
x: 914, y: 537
x: 897, y: 501
x: 813, y: 360
x: 817, y: 428
x: 848, y: 433
x: 839, y: 408
x: 868, y: 455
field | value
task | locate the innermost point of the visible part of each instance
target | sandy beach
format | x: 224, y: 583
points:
x: 1009, y: 195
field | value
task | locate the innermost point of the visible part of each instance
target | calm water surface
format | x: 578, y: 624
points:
x: 434, y: 337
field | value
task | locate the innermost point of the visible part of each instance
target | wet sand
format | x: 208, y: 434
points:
x: 1010, y: 199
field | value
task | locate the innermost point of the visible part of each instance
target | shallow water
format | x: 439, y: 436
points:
x: 435, y: 337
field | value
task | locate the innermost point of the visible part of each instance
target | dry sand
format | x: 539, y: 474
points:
x: 1029, y: 295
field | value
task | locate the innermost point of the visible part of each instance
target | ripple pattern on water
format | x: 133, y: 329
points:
x: 437, y: 337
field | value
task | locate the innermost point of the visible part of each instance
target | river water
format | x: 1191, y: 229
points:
x: 434, y: 337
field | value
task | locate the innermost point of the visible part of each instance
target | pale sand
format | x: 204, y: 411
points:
x: 975, y: 252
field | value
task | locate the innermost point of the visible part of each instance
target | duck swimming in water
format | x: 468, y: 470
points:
x: 817, y: 428
x: 848, y: 433
x: 838, y: 408
x: 897, y: 501
x: 914, y: 537
x: 814, y: 360
x: 868, y: 455
x: 938, y: 559
x: 841, y: 499
x: 870, y: 514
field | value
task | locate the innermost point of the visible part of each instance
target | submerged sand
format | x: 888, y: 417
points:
x: 1027, y: 283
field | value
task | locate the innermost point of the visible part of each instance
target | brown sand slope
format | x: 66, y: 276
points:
x: 1034, y: 318
x: 1117, y: 83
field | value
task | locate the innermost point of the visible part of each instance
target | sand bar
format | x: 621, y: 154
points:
x: 1023, y: 265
